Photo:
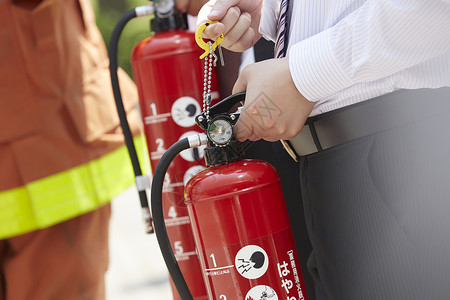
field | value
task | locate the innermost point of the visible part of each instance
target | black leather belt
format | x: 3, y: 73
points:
x: 368, y: 117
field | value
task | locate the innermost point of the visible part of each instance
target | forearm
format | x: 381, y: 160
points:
x: 379, y: 39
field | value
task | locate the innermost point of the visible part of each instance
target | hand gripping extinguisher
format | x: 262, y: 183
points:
x: 238, y: 216
x: 169, y: 77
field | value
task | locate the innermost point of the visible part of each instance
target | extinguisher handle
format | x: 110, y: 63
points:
x: 223, y: 107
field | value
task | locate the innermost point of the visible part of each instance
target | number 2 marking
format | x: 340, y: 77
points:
x: 160, y: 147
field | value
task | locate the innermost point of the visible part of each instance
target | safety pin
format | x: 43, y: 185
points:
x: 205, y: 46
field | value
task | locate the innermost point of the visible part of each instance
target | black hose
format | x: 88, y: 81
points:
x: 158, y: 218
x: 119, y: 104
x: 159, y: 173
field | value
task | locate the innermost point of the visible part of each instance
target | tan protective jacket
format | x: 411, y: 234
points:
x: 61, y: 147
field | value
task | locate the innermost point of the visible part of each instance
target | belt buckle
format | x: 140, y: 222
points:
x: 287, y: 146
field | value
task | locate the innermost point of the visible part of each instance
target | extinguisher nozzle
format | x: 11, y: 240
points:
x: 197, y: 140
x: 145, y: 10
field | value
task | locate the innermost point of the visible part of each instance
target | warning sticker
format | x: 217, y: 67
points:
x: 261, y: 292
x: 191, y: 172
x: 251, y: 262
x: 184, y: 110
x: 268, y: 269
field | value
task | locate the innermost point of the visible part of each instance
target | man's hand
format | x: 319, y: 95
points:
x: 238, y: 21
x: 274, y: 109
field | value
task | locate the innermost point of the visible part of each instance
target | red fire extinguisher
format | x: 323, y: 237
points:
x: 238, y: 216
x: 169, y: 78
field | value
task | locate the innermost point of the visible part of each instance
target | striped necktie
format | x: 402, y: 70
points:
x: 282, y: 28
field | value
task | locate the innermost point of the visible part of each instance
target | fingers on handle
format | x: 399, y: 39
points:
x: 242, y: 130
x: 220, y: 8
x: 245, y: 42
x: 237, y: 31
x: 241, y: 83
x: 213, y: 31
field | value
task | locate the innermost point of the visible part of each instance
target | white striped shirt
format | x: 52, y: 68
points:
x: 346, y: 51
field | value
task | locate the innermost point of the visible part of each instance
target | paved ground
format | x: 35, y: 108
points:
x: 137, y: 270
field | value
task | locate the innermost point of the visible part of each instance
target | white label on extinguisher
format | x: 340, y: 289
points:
x: 184, y: 110
x: 283, y: 271
x: 191, y: 172
x: 156, y: 118
x: 282, y: 274
x: 261, y: 292
x: 177, y: 221
x: 251, y: 262
x: 218, y: 271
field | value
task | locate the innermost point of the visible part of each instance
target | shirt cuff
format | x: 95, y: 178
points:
x: 314, y: 69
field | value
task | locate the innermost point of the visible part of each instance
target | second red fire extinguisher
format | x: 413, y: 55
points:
x: 239, y: 219
x: 169, y: 78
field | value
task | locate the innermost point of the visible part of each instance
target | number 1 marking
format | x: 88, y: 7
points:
x: 214, y: 260
x: 153, y: 107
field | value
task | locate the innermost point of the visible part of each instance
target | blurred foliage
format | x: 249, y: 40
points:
x: 108, y: 13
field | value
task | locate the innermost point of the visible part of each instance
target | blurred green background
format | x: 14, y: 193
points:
x: 108, y: 13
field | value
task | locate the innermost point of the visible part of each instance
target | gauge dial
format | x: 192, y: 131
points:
x: 220, y: 132
x: 164, y: 8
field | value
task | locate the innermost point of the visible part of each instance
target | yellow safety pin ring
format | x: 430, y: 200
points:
x: 201, y: 43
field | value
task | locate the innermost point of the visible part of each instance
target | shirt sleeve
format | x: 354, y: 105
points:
x: 378, y: 39
x: 269, y: 17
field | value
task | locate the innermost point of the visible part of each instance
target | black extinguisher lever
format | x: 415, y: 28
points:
x: 223, y: 107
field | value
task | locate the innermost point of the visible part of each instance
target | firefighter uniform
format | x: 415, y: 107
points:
x: 62, y: 156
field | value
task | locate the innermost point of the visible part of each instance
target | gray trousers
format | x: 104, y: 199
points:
x: 378, y: 214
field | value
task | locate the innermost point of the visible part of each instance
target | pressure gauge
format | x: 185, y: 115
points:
x: 164, y: 8
x: 220, y: 131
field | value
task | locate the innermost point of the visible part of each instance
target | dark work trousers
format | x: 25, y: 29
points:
x: 378, y: 214
x: 288, y: 170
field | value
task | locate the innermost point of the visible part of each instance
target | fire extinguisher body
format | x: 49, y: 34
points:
x: 169, y: 77
x: 243, y: 235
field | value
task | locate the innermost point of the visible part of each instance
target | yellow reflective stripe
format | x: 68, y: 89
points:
x: 62, y: 196
x: 16, y: 213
